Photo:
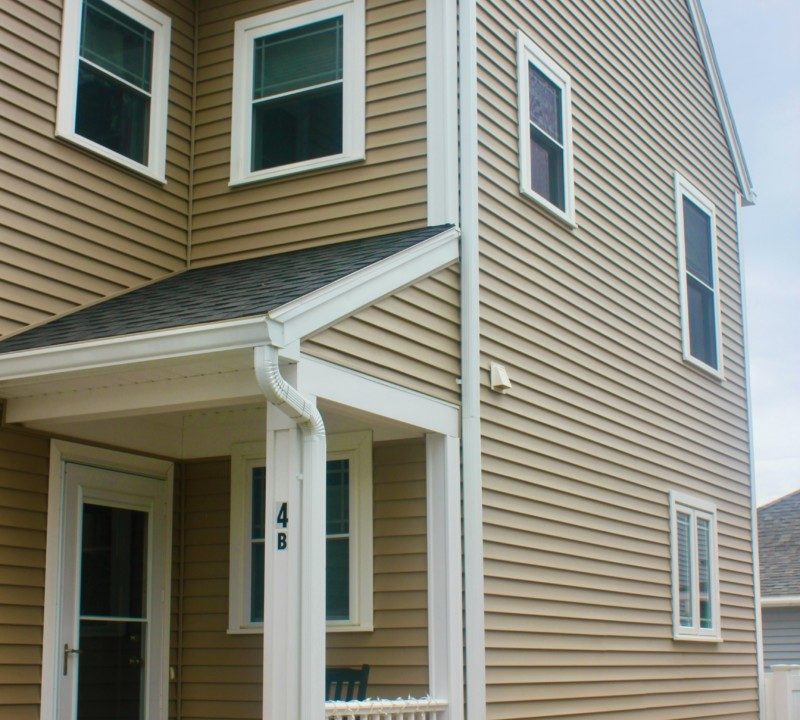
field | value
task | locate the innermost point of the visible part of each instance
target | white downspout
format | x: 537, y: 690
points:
x: 474, y: 617
x: 304, y: 412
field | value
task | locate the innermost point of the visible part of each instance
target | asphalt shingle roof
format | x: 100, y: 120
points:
x: 779, y: 546
x: 220, y: 292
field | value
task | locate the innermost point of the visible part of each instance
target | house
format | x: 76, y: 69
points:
x: 400, y: 333
x: 779, y: 570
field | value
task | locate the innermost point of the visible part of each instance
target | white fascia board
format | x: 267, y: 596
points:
x: 137, y: 347
x: 780, y: 600
x: 721, y: 101
x: 322, y: 308
x: 355, y: 390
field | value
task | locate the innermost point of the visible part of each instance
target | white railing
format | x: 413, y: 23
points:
x: 408, y: 709
x: 782, y: 690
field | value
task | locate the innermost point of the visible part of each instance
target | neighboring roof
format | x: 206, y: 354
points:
x: 779, y: 546
x: 721, y: 100
x: 240, y: 289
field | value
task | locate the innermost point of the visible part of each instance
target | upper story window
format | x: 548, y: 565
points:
x: 695, y: 581
x: 348, y: 578
x: 545, y: 130
x: 697, y: 267
x: 113, y: 83
x: 298, y: 89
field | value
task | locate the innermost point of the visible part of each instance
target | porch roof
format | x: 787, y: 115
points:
x: 239, y: 289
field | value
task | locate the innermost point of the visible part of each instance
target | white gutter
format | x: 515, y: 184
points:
x: 753, y: 510
x: 303, y: 411
x: 780, y: 601
x: 475, y: 651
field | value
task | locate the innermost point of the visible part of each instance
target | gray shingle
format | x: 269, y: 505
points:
x: 779, y: 546
x: 220, y: 292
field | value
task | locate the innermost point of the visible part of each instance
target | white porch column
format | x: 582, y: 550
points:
x: 294, y: 577
x: 445, y: 665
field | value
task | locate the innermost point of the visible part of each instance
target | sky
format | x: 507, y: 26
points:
x: 757, y: 43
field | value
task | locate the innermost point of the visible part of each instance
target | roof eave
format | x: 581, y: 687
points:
x: 721, y: 100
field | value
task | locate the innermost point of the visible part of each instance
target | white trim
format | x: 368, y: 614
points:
x: 353, y: 123
x: 780, y: 600
x: 321, y: 308
x: 445, y: 628
x: 474, y: 615
x: 441, y: 66
x: 721, y: 101
x: 352, y: 389
x: 684, y: 189
x: 354, y: 446
x: 287, y: 324
x: 695, y: 508
x: 161, y: 26
x: 529, y: 53
x: 62, y: 452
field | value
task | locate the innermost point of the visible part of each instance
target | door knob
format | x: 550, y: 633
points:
x: 67, y: 652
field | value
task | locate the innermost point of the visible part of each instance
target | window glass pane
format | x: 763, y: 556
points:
x: 298, y: 58
x: 686, y: 597
x: 337, y: 577
x: 545, y: 104
x: 547, y: 169
x: 117, y: 43
x: 297, y: 127
x: 257, y: 582
x: 704, y: 571
x: 110, y: 672
x: 112, y: 114
x: 258, y: 492
x: 702, y: 330
x: 338, y: 496
x: 113, y: 561
x: 697, y: 235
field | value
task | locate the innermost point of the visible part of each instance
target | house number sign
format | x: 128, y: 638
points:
x: 282, y: 523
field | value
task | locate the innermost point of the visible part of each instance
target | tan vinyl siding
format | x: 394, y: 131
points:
x: 75, y: 228
x: 220, y: 674
x: 23, y: 521
x: 397, y: 650
x: 385, y: 193
x: 604, y: 416
x: 410, y: 339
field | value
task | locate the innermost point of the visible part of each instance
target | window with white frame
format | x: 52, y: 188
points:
x: 695, y: 580
x: 298, y: 89
x: 545, y: 130
x: 697, y: 268
x: 348, y: 534
x: 113, y: 82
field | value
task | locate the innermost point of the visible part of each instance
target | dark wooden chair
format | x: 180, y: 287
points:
x: 346, y: 683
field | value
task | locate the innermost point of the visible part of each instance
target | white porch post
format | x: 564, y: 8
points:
x: 445, y: 665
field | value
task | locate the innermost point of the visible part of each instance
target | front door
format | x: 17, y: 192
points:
x: 112, y: 620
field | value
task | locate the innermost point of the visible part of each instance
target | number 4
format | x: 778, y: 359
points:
x: 283, y: 516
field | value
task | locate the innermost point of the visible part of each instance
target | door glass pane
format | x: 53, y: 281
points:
x: 257, y: 581
x: 117, y: 43
x: 697, y: 233
x: 259, y: 480
x: 337, y: 571
x: 113, y: 562
x: 338, y: 496
x: 110, y: 670
x: 704, y: 571
x: 686, y: 599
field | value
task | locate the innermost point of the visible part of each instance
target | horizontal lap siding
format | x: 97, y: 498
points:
x: 221, y: 674
x: 781, y: 635
x: 410, y: 339
x: 74, y: 228
x: 385, y: 193
x: 397, y: 650
x: 24, y: 463
x: 604, y: 417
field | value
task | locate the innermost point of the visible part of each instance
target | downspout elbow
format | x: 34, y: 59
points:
x: 281, y: 394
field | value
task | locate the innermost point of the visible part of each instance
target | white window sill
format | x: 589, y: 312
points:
x: 566, y: 219
x: 295, y: 169
x: 329, y: 628
x: 699, y: 365
x: 680, y: 637
x: 113, y: 157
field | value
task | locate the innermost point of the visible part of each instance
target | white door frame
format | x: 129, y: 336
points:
x: 62, y: 452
